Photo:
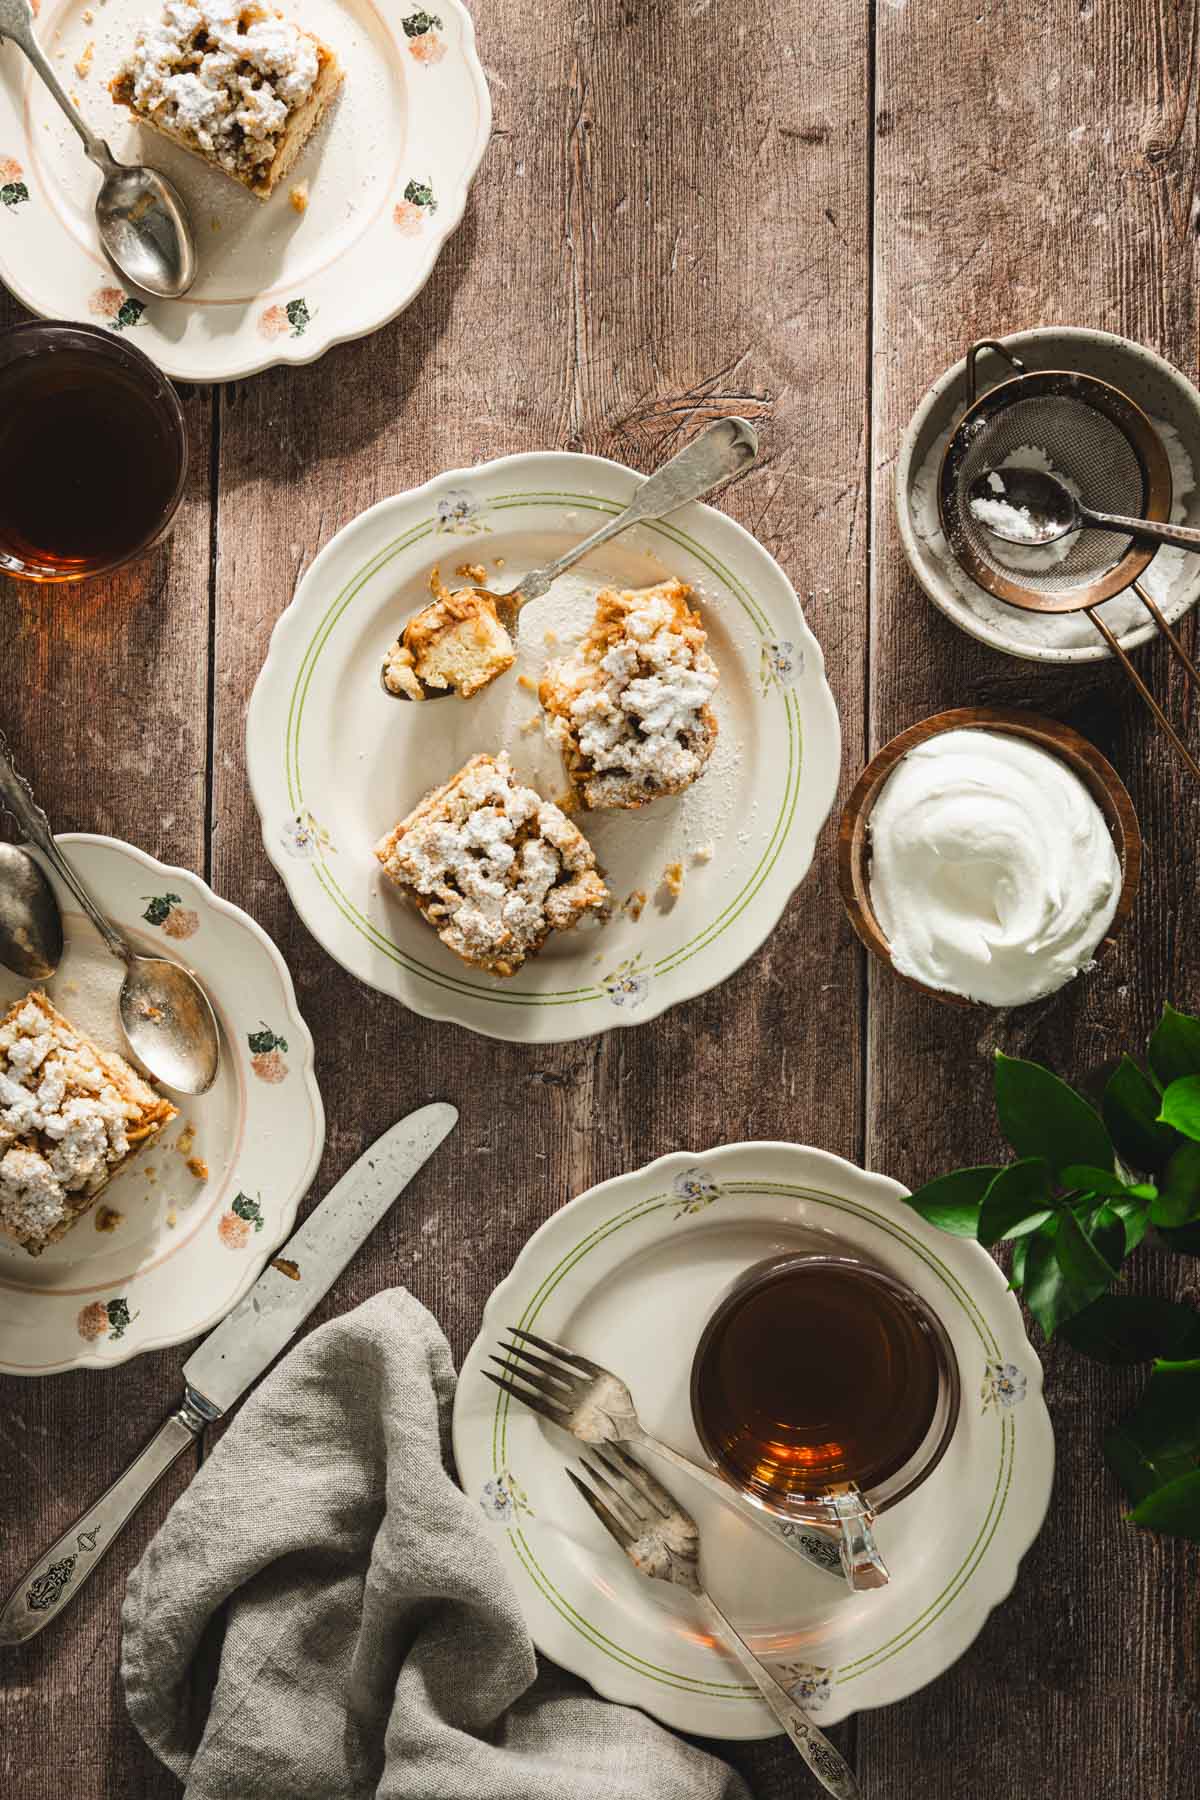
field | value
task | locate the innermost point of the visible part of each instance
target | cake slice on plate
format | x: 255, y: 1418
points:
x: 631, y: 707
x: 71, y: 1115
x: 238, y: 85
x: 492, y: 866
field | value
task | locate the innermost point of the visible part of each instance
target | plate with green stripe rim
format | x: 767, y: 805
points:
x: 628, y: 1273
x: 334, y: 762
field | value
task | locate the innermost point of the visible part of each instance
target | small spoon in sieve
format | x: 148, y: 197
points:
x: 1031, y: 508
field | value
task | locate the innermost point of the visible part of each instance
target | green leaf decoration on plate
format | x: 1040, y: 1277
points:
x: 13, y: 193
x: 418, y: 23
x: 1041, y: 1116
x: 298, y: 316
x: 419, y: 193
x: 261, y: 1042
x: 119, y: 1317
x: 159, y: 907
x: 129, y: 313
x: 249, y: 1209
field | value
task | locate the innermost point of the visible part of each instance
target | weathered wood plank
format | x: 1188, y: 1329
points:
x: 1034, y: 164
x: 103, y: 699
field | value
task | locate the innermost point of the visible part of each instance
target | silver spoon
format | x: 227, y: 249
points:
x: 31, y: 932
x: 1029, y: 507
x: 143, y: 224
x: 165, y: 1013
x: 723, y: 449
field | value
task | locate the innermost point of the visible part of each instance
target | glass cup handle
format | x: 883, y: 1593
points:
x: 862, y: 1563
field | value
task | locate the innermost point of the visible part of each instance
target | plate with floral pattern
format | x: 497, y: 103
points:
x: 380, y: 187
x: 177, y: 1236
x: 697, y: 881
x: 628, y: 1274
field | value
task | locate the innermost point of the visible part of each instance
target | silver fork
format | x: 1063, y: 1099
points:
x: 662, y: 1541
x: 597, y: 1407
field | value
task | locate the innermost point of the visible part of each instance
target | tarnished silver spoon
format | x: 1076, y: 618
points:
x: 165, y: 1013
x: 721, y: 450
x: 1027, y: 506
x: 142, y: 221
x: 31, y: 931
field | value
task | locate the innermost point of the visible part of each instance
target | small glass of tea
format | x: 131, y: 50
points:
x: 93, y: 451
x: 818, y: 1371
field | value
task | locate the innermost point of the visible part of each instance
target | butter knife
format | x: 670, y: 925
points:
x: 233, y: 1356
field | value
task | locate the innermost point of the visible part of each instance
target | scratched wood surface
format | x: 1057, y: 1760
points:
x: 685, y: 210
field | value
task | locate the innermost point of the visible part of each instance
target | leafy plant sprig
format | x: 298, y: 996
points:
x: 1084, y: 1190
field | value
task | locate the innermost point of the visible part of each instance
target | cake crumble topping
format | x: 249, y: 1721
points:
x: 631, y: 707
x: 492, y: 866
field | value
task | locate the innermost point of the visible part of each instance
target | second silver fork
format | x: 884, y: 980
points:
x: 596, y: 1406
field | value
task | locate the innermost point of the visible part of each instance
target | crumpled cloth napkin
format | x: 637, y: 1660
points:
x: 373, y: 1642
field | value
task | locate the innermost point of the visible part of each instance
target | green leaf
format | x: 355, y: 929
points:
x: 1174, y: 1049
x: 1136, y: 1220
x: 1094, y: 1181
x: 1085, y: 1268
x: 128, y: 313
x: 1185, y: 1241
x: 1173, y: 1508
x: 13, y: 193
x: 952, y: 1202
x: 1178, y: 1200
x: 1181, y: 1106
x: 1041, y: 1116
x: 1016, y: 1277
x: 1160, y: 1439
x: 1130, y: 1106
x: 1017, y: 1201
x: 1050, y: 1296
x: 1133, y: 1328
x: 418, y: 23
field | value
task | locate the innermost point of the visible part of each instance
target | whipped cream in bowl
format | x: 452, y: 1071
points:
x: 989, y: 856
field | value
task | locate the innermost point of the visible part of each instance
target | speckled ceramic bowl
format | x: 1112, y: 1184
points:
x: 1158, y: 389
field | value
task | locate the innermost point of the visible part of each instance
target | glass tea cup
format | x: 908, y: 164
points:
x: 93, y: 452
x: 825, y: 1389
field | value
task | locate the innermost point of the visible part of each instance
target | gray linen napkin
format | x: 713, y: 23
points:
x: 373, y: 1642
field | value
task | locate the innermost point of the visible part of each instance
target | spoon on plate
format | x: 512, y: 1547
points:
x: 31, y: 933
x: 723, y: 449
x: 142, y: 220
x: 167, y: 1018
x: 1029, y: 507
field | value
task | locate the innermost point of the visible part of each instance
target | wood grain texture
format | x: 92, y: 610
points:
x: 1050, y: 186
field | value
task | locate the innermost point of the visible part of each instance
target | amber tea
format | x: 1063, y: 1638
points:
x: 820, y: 1372
x: 92, y: 453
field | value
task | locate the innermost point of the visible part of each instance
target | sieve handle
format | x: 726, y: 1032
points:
x: 1184, y: 537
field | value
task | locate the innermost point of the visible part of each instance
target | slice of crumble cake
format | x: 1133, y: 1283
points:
x: 493, y: 867
x: 631, y: 707
x: 71, y: 1115
x: 238, y: 85
x: 458, y: 642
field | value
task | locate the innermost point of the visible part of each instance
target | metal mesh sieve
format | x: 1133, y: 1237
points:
x: 1090, y: 435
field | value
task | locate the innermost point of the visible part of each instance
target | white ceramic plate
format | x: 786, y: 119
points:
x: 1173, y: 578
x: 186, y: 1246
x: 628, y: 1273
x: 334, y: 762
x: 388, y: 173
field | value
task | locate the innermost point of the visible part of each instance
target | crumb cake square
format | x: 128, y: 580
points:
x: 457, y: 642
x: 631, y: 707
x: 71, y: 1115
x: 238, y: 85
x: 493, y: 867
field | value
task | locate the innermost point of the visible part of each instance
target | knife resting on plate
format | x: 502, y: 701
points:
x: 234, y: 1355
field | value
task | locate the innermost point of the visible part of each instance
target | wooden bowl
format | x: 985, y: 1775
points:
x: 1095, y: 771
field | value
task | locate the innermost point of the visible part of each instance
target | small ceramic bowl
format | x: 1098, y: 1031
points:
x: 1161, y: 391
x: 1095, y: 771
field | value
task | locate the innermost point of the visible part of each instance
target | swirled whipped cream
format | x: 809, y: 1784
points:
x: 993, y: 873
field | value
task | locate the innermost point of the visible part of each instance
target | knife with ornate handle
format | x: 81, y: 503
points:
x: 232, y: 1357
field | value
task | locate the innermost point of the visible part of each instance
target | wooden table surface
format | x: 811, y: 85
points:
x: 802, y: 215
